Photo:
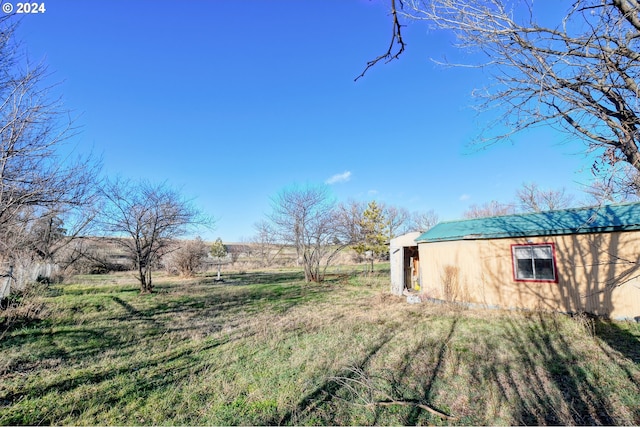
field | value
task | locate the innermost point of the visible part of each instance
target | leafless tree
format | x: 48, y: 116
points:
x: 305, y: 218
x: 235, y: 251
x: 579, y: 73
x: 492, y: 208
x: 532, y: 198
x: 144, y: 219
x: 248, y: 246
x: 266, y: 243
x: 397, y: 219
x: 37, y: 182
x: 622, y: 186
x: 423, y: 221
x: 349, y: 217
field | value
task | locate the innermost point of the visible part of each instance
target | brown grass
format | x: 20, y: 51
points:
x: 265, y: 348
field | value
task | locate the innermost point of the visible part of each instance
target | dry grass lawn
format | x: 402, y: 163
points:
x: 265, y: 348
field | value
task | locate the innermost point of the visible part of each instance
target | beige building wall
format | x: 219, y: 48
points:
x: 597, y: 273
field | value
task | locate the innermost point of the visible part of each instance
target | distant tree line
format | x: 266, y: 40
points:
x: 312, y: 222
x: 533, y: 198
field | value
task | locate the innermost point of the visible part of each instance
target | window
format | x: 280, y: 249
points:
x: 534, y: 262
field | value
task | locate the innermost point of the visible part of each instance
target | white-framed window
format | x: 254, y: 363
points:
x: 534, y: 262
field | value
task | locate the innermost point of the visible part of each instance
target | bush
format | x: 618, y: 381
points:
x: 188, y: 259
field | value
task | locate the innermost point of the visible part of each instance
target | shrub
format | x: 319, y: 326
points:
x: 188, y: 259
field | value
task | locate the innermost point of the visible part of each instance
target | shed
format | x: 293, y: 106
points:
x: 405, y: 263
x: 571, y: 260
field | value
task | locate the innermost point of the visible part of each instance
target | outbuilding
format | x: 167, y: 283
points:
x: 405, y: 263
x: 572, y: 260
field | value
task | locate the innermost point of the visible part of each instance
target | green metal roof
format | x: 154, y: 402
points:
x: 568, y: 221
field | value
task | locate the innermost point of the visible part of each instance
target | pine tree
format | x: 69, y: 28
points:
x: 218, y: 251
x: 373, y: 229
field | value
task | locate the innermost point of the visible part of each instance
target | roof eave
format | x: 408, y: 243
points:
x: 507, y: 235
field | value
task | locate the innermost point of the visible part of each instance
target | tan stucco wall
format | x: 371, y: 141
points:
x: 596, y: 273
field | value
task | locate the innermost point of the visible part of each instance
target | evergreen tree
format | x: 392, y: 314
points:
x: 218, y: 251
x: 374, y: 232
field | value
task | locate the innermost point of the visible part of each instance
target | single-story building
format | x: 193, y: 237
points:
x: 405, y: 263
x: 572, y: 260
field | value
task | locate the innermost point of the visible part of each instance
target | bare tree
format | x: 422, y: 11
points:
x: 397, y: 219
x: 349, y: 216
x: 492, y: 208
x: 265, y: 242
x: 37, y: 182
x: 579, y: 73
x: 236, y: 250
x: 306, y: 219
x: 622, y: 186
x: 144, y: 219
x: 423, y: 221
x: 532, y: 198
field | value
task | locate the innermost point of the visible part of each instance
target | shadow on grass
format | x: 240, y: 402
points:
x: 128, y: 321
x: 9, y: 325
x: 341, y: 398
x: 579, y: 399
x: 415, y: 413
x: 113, y: 384
x: 327, y: 391
x: 223, y: 299
x: 257, y: 278
x: 619, y: 338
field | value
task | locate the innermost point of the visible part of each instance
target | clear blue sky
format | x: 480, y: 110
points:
x: 230, y: 101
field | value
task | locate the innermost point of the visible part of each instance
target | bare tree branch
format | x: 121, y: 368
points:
x: 580, y: 74
x: 396, y: 41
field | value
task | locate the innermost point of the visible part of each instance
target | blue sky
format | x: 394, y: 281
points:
x: 232, y: 101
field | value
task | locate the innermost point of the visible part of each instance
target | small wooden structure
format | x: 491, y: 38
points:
x: 405, y: 264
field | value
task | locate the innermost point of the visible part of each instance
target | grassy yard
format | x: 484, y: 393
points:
x: 265, y: 348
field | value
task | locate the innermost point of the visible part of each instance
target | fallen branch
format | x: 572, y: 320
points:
x: 410, y: 403
x: 361, y: 387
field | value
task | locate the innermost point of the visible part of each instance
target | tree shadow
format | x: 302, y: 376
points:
x: 358, y: 386
x: 256, y: 278
x: 10, y: 324
x: 329, y: 390
x: 427, y: 386
x: 583, y: 402
x: 592, y: 264
x: 176, y: 367
x: 619, y: 339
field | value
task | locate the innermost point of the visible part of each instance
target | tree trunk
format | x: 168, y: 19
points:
x: 142, y: 278
x: 144, y: 275
x: 149, y: 283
